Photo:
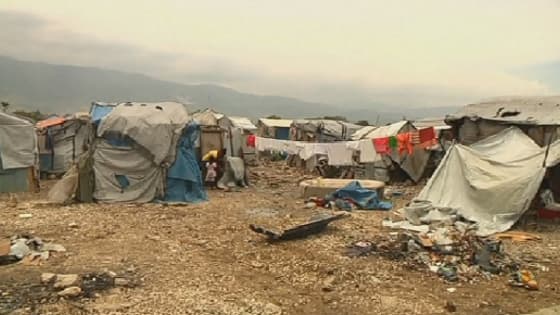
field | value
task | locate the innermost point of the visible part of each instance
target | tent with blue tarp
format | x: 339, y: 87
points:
x: 184, y: 179
x: 143, y: 152
x: 99, y: 110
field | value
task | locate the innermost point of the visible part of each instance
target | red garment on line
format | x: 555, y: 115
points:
x: 251, y: 140
x: 405, y: 143
x: 381, y: 145
x: 427, y: 134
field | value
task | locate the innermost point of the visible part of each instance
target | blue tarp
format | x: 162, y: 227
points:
x: 184, y: 179
x: 364, y: 198
x: 99, y: 110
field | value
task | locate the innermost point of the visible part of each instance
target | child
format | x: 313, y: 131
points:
x: 211, y: 172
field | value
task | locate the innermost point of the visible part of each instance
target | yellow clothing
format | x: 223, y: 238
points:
x: 211, y: 153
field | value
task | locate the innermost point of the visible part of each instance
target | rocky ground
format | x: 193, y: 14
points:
x: 203, y: 259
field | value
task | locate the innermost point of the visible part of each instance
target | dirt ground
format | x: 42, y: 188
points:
x: 203, y: 259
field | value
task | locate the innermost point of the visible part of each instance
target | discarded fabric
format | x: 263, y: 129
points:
x: 363, y: 198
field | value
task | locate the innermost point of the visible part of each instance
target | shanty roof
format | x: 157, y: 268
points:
x: 543, y: 110
x: 207, y: 117
x: 280, y: 123
x: 437, y: 123
x: 242, y: 122
x: 370, y: 132
x: 49, y: 122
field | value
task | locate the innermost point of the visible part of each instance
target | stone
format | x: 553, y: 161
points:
x: 70, y: 292
x: 47, y: 277
x: 121, y: 282
x: 25, y: 216
x: 73, y: 225
x: 272, y: 309
x: 65, y: 281
x: 328, y: 284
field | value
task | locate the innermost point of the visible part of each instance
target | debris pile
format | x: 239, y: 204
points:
x: 28, y: 249
x: 447, y: 252
x: 351, y: 197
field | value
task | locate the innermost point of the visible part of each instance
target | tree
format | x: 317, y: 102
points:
x: 274, y: 117
x: 362, y: 123
x: 5, y: 106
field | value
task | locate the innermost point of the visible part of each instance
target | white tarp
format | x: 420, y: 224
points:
x: 18, y: 142
x: 491, y: 182
x: 154, y: 126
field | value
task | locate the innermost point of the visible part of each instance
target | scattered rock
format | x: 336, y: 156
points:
x: 328, y: 284
x: 451, y: 290
x: 70, y: 292
x: 25, y: 216
x: 51, y: 247
x: 121, y: 282
x: 73, y: 225
x: 65, y: 281
x: 450, y: 307
x: 47, y: 277
x: 272, y: 309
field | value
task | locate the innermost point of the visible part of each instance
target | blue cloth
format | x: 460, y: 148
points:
x: 99, y: 110
x: 364, y: 198
x: 184, y: 179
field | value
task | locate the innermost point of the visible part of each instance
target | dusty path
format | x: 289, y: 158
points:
x: 203, y: 259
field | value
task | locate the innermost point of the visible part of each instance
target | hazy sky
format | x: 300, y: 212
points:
x: 424, y: 53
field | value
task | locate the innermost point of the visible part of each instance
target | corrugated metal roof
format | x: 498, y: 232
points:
x: 385, y: 131
x: 543, y: 110
x: 437, y: 123
x: 280, y: 123
x: 242, y: 122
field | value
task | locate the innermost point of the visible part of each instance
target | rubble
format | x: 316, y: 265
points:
x: 27, y: 249
x: 65, y: 281
x: 70, y: 292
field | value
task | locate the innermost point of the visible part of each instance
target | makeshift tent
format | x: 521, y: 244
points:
x: 99, y: 110
x: 61, y: 141
x: 212, y: 135
x: 538, y: 117
x: 141, y: 147
x: 412, y: 164
x: 322, y: 130
x: 237, y: 129
x: 274, y: 128
x: 18, y: 154
x: 493, y: 181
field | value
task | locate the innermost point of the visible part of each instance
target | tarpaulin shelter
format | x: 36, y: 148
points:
x: 274, y: 128
x: 18, y: 154
x: 212, y: 135
x: 413, y: 164
x: 493, y: 181
x: 143, y: 152
x: 61, y: 141
x: 538, y: 117
x: 322, y: 130
x: 237, y: 130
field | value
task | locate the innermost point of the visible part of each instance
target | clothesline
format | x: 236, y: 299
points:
x: 341, y: 153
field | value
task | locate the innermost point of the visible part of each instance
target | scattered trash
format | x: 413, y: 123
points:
x: 517, y: 236
x: 73, y: 225
x: 451, y: 290
x: 65, y: 281
x: 25, y: 216
x: 27, y: 249
x: 316, y: 225
x: 524, y: 278
x: 463, y: 257
x: 87, y: 285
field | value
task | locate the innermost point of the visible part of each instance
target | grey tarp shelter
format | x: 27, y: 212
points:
x: 492, y: 181
x: 18, y: 154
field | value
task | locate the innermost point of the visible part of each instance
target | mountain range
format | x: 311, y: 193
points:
x: 64, y: 89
